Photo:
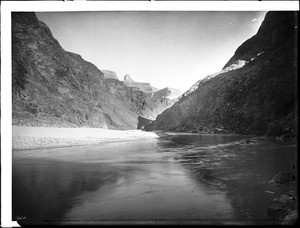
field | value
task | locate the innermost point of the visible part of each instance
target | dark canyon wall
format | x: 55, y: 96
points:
x: 255, y: 92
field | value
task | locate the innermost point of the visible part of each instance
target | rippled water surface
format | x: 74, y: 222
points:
x: 192, y: 178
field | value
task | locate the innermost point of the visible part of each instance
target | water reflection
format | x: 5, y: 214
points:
x: 188, y: 177
x: 243, y: 171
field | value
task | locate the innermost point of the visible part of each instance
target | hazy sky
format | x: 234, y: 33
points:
x: 173, y: 49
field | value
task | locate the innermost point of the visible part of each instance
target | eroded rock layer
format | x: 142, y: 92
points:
x: 143, y: 86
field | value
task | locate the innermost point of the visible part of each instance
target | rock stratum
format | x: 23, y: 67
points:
x: 110, y: 74
x: 255, y: 92
x: 143, y: 86
x: 53, y: 87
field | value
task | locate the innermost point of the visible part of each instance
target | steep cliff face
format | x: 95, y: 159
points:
x: 53, y: 87
x: 254, y: 93
x: 109, y: 74
x: 160, y: 100
x: 142, y: 86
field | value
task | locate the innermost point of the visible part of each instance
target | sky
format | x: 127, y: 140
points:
x: 165, y: 48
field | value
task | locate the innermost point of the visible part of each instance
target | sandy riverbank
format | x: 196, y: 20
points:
x: 45, y: 137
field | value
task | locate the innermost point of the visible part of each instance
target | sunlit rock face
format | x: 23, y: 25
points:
x: 161, y: 99
x: 109, y: 74
x: 253, y: 94
x: 142, y: 86
x: 167, y: 92
x: 53, y: 87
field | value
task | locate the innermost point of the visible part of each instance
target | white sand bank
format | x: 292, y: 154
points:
x: 44, y: 137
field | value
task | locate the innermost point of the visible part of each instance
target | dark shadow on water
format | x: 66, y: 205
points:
x: 187, y: 177
x: 47, y: 189
x: 242, y: 171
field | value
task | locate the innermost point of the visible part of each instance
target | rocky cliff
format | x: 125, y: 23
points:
x: 168, y: 93
x: 255, y: 92
x: 143, y: 86
x: 53, y: 87
x: 109, y: 74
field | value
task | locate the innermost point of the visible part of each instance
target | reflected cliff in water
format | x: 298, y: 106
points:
x: 204, y: 178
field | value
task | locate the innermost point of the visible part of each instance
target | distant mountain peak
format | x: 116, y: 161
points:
x: 128, y: 78
x: 167, y: 92
x: 143, y: 86
x: 110, y: 74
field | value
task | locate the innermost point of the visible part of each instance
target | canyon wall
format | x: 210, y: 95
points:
x: 255, y: 92
x: 53, y: 87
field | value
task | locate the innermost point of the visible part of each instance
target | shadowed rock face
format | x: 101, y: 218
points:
x: 253, y: 94
x: 53, y: 87
x: 143, y: 122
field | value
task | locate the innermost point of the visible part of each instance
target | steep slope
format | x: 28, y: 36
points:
x: 52, y: 87
x: 143, y: 122
x: 254, y: 93
x: 169, y: 93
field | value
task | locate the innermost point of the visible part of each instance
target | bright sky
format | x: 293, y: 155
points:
x: 173, y: 48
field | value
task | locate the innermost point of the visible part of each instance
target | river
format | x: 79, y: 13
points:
x: 187, y: 178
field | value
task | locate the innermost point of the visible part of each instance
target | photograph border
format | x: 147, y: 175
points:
x: 54, y: 6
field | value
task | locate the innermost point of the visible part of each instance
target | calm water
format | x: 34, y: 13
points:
x: 200, y: 178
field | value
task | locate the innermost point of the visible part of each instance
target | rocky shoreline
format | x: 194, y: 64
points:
x: 284, y: 210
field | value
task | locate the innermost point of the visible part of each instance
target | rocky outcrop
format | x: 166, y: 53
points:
x: 284, y: 209
x: 53, y: 87
x: 143, y: 86
x: 283, y: 178
x: 128, y: 79
x: 160, y: 99
x: 143, y: 122
x: 254, y: 93
x: 168, y: 93
x: 109, y: 74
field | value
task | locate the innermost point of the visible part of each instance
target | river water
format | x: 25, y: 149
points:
x: 187, y: 178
